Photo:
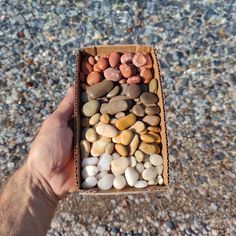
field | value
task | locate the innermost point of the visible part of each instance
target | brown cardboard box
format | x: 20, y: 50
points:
x: 106, y: 49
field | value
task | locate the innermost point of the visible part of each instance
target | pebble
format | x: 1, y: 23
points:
x: 160, y: 180
x: 146, y: 74
x: 119, y: 182
x: 89, y: 182
x: 118, y: 98
x: 125, y: 122
x: 115, y: 155
x: 127, y: 70
x: 148, y: 98
x: 141, y: 184
x: 157, y: 137
x: 96, y: 68
x: 109, y: 148
x: 147, y: 148
x: 84, y: 148
x: 133, y: 91
x: 131, y: 176
x: 113, y: 92
x: 94, y: 77
x: 133, y: 161
x: 105, y: 118
x: 91, y: 60
x: 112, y: 108
x: 119, y: 165
x: 86, y: 67
x: 152, y: 110
x: 105, y: 182
x: 101, y: 174
x: 126, y: 136
x: 133, y: 144
x: 154, y: 129
x: 116, y: 139
x: 140, y: 168
x: 98, y: 147
x: 114, y: 59
x: 149, y: 173
x: 147, y: 164
x: 89, y: 171
x: 121, y: 149
x: 100, y: 89
x: 94, y: 119
x: 119, y: 115
x: 156, y: 159
x: 90, y: 108
x: 91, y: 135
x: 102, y: 63
x: 139, y: 155
x: 127, y: 57
x: 152, y: 182
x: 113, y: 121
x: 138, y: 127
x: 134, y: 80
x: 148, y: 64
x: 112, y: 74
x: 123, y: 88
x: 153, y: 86
x: 89, y: 161
x: 138, y: 110
x: 152, y: 120
x: 159, y: 169
x: 106, y: 130
x: 147, y: 138
x: 104, y: 162
x: 139, y: 59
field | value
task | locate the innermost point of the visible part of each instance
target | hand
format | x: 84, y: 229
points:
x: 51, y: 155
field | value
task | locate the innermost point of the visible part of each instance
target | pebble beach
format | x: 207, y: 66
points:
x: 195, y: 41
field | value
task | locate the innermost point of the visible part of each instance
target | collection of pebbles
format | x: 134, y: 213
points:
x: 120, y: 141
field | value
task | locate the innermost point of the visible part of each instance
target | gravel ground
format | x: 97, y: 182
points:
x: 196, y: 43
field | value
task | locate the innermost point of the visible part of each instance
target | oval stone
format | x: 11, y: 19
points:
x: 147, y: 138
x: 152, y: 110
x: 112, y: 74
x: 104, y: 162
x: 138, y: 110
x: 141, y: 184
x: 91, y: 135
x: 114, y: 107
x: 149, y: 173
x: 98, y: 147
x: 106, y: 130
x: 139, y: 156
x: 160, y: 180
x: 152, y: 120
x: 105, y: 182
x: 119, y: 165
x: 89, y: 182
x: 119, y: 182
x: 153, y: 86
x: 148, y: 98
x: 84, y: 148
x: 94, y: 119
x: 89, y: 161
x: 156, y: 159
x: 147, y: 148
x: 110, y: 148
x: 121, y: 149
x: 90, y: 108
x: 138, y: 127
x: 113, y: 92
x: 132, y: 147
x: 140, y: 168
x: 131, y: 176
x: 133, y: 91
x: 126, y: 137
x: 125, y: 122
x: 89, y: 171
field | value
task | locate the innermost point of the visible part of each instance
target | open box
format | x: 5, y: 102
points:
x: 106, y: 49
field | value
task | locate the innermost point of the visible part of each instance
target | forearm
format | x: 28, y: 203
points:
x: 27, y: 204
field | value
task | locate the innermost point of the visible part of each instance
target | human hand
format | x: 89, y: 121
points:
x: 51, y: 154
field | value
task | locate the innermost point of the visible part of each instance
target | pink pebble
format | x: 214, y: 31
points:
x: 134, y: 80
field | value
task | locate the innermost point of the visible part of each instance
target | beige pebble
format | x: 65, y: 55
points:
x: 126, y: 137
x: 84, y: 148
x: 149, y: 173
x: 119, y: 182
x: 152, y: 182
x: 156, y: 159
x: 109, y: 148
x: 106, y: 130
x: 138, y: 127
x: 119, y: 165
x: 147, y: 138
x: 91, y: 135
x: 143, y: 132
x: 94, y: 119
x: 121, y: 149
x: 147, y: 148
x: 133, y: 161
x: 159, y: 169
x: 119, y: 115
x: 140, y: 168
x: 152, y: 120
x: 139, y: 155
x: 113, y: 121
x: 153, y: 86
x: 113, y: 92
x: 133, y: 144
x: 125, y: 122
x: 116, y: 139
x: 157, y: 137
x: 105, y: 118
x: 98, y: 147
x: 147, y: 164
x: 160, y: 180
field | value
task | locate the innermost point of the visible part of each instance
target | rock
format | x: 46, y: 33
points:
x: 91, y: 60
x: 156, y: 136
x: 123, y: 88
x: 125, y: 122
x: 149, y: 173
x: 152, y: 120
x: 147, y: 138
x: 100, y: 89
x: 105, y: 182
x: 119, y: 182
x: 156, y: 159
x: 116, y: 139
x: 141, y: 184
x: 139, y: 59
x: 104, y: 162
x: 105, y: 118
x: 113, y: 92
x: 96, y: 68
x: 152, y: 110
x: 133, y: 91
x: 160, y: 180
x: 119, y: 115
x: 101, y: 174
x: 98, y: 147
x: 94, y: 77
x: 114, y: 59
x: 94, y: 119
x: 119, y: 165
x: 147, y: 148
x: 133, y: 161
x: 112, y: 108
x: 159, y: 169
x: 91, y: 135
x: 102, y: 63
x: 89, y: 182
x: 153, y: 86
x: 89, y: 171
x: 121, y: 149
x: 126, y: 136
x: 84, y: 148
x: 127, y: 70
x: 152, y: 182
x: 133, y: 144
x: 112, y: 74
x: 113, y: 121
x: 146, y: 74
x: 109, y: 148
x: 86, y: 67
x: 148, y: 64
x: 147, y: 164
x: 89, y: 161
x: 115, y: 155
x: 118, y: 98
x: 127, y: 58
x: 90, y: 108
x: 106, y: 130
x: 148, y: 98
x: 140, y: 168
x: 131, y: 176
x: 154, y: 129
x: 134, y: 80
x: 138, y: 127
x: 138, y: 110
x: 139, y: 155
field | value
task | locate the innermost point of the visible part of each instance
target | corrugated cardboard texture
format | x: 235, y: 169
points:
x: 106, y: 49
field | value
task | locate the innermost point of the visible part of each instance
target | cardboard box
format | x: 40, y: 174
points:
x: 106, y: 49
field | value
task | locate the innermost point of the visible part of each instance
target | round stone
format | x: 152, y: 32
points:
x: 148, y: 98
x: 89, y: 182
x: 127, y: 70
x: 105, y: 182
x: 106, y: 130
x: 152, y: 120
x: 90, y: 108
x: 89, y: 161
x: 156, y: 159
x: 152, y: 110
x: 141, y: 184
x: 126, y: 137
x: 104, y: 162
x: 121, y: 149
x: 133, y: 91
x: 119, y: 165
x: 113, y: 92
x: 138, y: 110
x: 147, y: 164
x: 119, y: 182
x: 94, y: 119
x: 91, y: 135
x: 139, y: 155
x: 139, y: 59
x: 138, y: 127
x: 94, y: 77
x: 160, y: 180
x: 153, y: 86
x: 149, y: 173
x: 131, y: 176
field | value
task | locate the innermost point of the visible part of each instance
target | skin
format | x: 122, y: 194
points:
x: 30, y: 198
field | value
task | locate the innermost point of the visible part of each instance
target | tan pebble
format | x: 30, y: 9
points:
x: 85, y: 122
x: 94, y: 77
x: 106, y: 130
x: 138, y: 127
x: 140, y: 168
x: 121, y: 149
x: 158, y: 149
x: 157, y: 137
x: 153, y: 86
x: 84, y: 148
x: 139, y: 155
x: 82, y: 77
x: 116, y: 139
x: 146, y: 74
x: 86, y: 67
x: 113, y: 121
x: 91, y: 60
x: 105, y: 118
x: 95, y: 68
x: 114, y: 59
x: 94, y: 119
x: 154, y: 129
x: 98, y: 147
x: 147, y: 148
x: 91, y: 135
x: 109, y: 148
x: 147, y: 138
x: 119, y: 115
x: 102, y: 63
x: 125, y: 122
x: 143, y: 132
x: 133, y: 144
x: 152, y: 110
x: 152, y: 120
x: 126, y: 137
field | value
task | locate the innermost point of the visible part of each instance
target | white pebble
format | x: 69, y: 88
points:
x: 149, y: 173
x: 141, y: 184
x: 140, y: 168
x: 119, y: 165
x: 147, y: 164
x: 89, y: 171
x: 104, y: 162
x: 119, y: 182
x: 156, y: 159
x: 105, y: 182
x: 89, y: 161
x: 160, y: 180
x: 106, y: 130
x: 152, y: 182
x: 133, y: 161
x: 115, y: 155
x: 159, y: 169
x: 131, y: 176
x: 101, y: 174
x: 89, y: 182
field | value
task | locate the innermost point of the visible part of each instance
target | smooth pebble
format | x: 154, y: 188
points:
x: 149, y: 173
x: 104, y: 162
x: 98, y: 147
x: 89, y: 182
x: 131, y: 176
x: 89, y: 171
x: 106, y: 130
x: 89, y: 161
x: 119, y: 165
x: 105, y: 182
x: 156, y: 159
x: 141, y: 184
x: 119, y: 182
x: 90, y: 108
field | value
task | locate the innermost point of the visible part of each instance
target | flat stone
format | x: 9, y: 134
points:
x: 148, y: 98
x: 91, y: 135
x: 119, y: 182
x: 106, y: 130
x: 119, y: 165
x: 147, y: 148
x: 90, y: 108
x: 94, y: 119
x: 126, y: 136
x: 112, y: 108
x: 147, y: 138
x: 105, y: 182
x: 156, y: 159
x: 132, y: 147
x: 153, y: 86
x: 100, y: 89
x: 138, y: 110
x: 133, y: 91
x: 141, y: 184
x: 104, y: 162
x: 113, y: 92
x: 121, y: 149
x: 149, y: 173
x: 138, y: 127
x: 98, y: 147
x: 131, y: 176
x: 152, y: 110
x: 152, y: 120
x: 125, y: 122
